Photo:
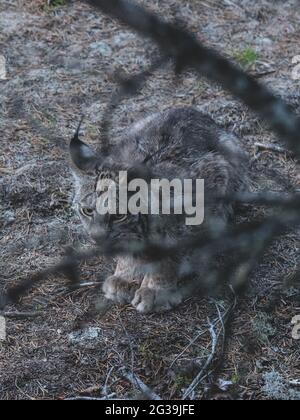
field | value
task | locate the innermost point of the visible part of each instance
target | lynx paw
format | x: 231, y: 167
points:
x: 148, y: 300
x: 119, y: 290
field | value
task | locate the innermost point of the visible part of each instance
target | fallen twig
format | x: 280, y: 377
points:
x: 295, y: 382
x: 223, y: 320
x: 191, y: 343
x: 111, y: 397
x: 21, y: 315
x: 272, y: 148
x: 263, y: 74
x: 214, y: 337
x: 139, y: 384
x: 87, y: 284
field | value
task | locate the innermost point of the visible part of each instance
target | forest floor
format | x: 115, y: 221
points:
x: 60, y: 64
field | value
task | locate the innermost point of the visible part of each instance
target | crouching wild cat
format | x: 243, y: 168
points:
x: 176, y: 144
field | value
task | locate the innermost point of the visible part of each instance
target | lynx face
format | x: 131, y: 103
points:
x: 90, y: 172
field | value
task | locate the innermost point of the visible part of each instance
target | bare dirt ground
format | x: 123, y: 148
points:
x: 60, y: 64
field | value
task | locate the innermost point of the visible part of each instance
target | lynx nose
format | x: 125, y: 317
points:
x: 98, y: 233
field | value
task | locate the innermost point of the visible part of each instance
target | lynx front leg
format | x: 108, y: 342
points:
x: 121, y: 287
x: 160, y: 291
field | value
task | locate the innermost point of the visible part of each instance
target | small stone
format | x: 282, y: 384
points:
x: 102, y: 47
x: 122, y: 39
x: 224, y: 385
x: 8, y: 217
x: 264, y: 41
x: 82, y: 336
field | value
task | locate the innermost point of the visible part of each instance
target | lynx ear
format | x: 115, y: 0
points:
x: 83, y: 157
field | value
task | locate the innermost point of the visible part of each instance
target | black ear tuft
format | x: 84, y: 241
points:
x: 82, y: 155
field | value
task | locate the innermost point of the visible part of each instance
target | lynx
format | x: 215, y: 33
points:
x: 177, y: 143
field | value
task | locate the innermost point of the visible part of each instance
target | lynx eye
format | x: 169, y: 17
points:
x: 87, y: 211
